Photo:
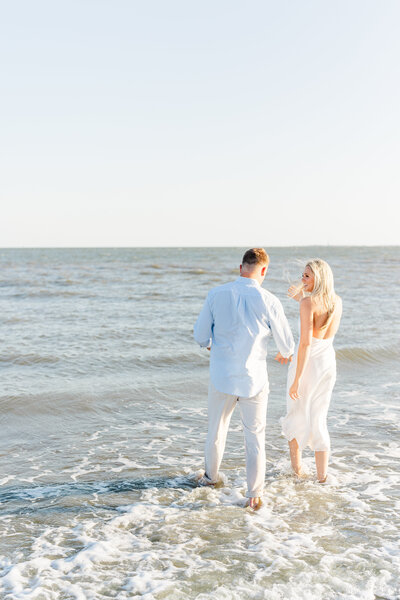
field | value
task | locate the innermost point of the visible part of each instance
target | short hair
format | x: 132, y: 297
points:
x: 255, y: 256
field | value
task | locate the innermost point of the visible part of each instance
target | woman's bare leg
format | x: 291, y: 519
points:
x: 295, y: 456
x: 321, y: 462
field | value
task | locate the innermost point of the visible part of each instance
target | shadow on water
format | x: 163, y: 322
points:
x: 24, y: 495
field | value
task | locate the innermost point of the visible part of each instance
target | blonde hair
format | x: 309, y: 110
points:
x: 324, y: 288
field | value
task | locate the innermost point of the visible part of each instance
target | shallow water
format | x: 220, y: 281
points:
x: 103, y: 414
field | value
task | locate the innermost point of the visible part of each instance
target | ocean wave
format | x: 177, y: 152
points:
x: 36, y: 405
x: 195, y: 271
x: 48, y: 491
x: 374, y: 355
x: 171, y: 359
x: 61, y: 293
x: 347, y: 355
x: 28, y: 359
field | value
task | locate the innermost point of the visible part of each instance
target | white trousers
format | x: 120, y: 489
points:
x: 253, y: 412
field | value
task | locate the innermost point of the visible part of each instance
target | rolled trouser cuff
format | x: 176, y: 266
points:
x: 207, y: 478
x: 256, y: 494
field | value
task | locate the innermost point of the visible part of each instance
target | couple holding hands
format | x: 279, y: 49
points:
x: 234, y: 324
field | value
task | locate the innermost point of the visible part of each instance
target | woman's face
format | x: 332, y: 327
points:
x: 308, y: 280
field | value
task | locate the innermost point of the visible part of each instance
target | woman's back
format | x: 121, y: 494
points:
x: 320, y: 317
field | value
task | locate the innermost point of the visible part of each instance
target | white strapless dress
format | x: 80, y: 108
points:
x: 305, y: 419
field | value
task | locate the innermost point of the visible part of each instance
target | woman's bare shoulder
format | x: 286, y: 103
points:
x: 306, y: 305
x: 338, y: 303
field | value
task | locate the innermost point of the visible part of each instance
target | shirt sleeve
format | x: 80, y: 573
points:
x: 204, y: 325
x: 280, y: 330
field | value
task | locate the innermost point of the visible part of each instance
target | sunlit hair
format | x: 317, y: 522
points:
x: 323, y: 285
x: 255, y: 256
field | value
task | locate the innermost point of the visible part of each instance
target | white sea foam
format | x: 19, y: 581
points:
x: 6, y: 479
x: 164, y: 542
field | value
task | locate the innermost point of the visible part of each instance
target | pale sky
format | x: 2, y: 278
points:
x: 212, y: 123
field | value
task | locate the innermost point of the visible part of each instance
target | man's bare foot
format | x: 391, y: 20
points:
x: 204, y: 480
x: 254, y: 503
x: 323, y: 480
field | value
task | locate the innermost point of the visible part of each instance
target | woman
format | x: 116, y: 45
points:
x: 312, y: 373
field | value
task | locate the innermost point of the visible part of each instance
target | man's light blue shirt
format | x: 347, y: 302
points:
x: 235, y: 321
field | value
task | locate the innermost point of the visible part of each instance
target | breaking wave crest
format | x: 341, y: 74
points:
x: 377, y: 355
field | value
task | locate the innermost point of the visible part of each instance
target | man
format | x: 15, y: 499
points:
x: 234, y: 324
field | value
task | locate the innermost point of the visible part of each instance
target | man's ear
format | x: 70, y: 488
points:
x: 240, y: 269
x: 263, y: 271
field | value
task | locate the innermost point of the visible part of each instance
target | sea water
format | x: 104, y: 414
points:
x: 103, y: 423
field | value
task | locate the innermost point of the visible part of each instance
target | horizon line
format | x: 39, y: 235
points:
x: 95, y: 247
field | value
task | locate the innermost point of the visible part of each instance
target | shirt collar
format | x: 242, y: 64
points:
x: 248, y: 281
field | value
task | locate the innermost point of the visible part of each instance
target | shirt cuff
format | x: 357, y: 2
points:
x: 287, y: 354
x: 206, y: 344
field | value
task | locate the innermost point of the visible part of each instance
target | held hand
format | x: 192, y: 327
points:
x: 282, y: 359
x: 294, y: 389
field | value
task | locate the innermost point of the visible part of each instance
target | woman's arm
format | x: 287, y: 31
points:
x: 303, y: 353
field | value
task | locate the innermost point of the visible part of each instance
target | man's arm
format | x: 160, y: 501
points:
x: 281, y: 331
x: 203, y: 326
